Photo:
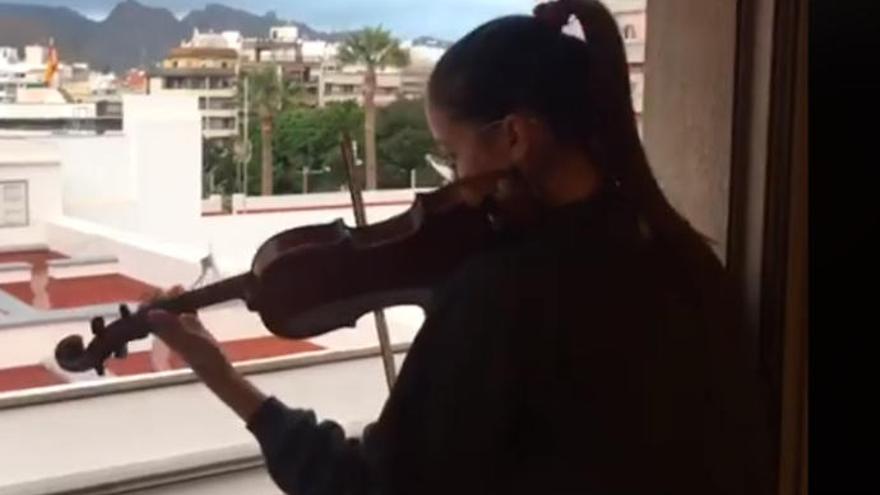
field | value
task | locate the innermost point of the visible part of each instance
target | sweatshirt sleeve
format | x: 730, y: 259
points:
x: 307, y: 457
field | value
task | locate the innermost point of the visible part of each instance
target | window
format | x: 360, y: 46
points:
x: 175, y: 200
x: 222, y: 103
x: 14, y: 203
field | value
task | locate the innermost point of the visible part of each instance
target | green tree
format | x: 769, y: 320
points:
x: 403, y: 140
x: 307, y: 139
x: 269, y: 94
x: 374, y: 48
x: 219, y: 167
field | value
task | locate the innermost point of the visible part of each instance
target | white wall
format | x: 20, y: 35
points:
x: 123, y: 429
x: 47, y: 111
x: 284, y: 33
x: 36, y: 163
x: 235, y: 238
x: 155, y: 262
x: 164, y: 138
x: 146, y: 180
x: 213, y: 204
x: 97, y: 172
x: 316, y: 200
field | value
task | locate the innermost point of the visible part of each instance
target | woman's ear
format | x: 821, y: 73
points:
x: 522, y: 136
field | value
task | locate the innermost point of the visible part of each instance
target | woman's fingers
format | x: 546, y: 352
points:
x: 164, y: 323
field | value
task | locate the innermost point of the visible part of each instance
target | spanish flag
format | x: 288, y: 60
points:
x: 51, y: 63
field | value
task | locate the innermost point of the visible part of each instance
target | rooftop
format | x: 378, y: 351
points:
x: 192, y: 71
x: 202, y: 52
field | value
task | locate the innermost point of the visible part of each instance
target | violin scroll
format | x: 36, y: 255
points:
x: 108, y: 341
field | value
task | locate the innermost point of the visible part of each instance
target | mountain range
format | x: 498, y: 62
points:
x: 136, y: 35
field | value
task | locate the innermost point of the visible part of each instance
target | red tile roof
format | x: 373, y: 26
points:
x: 22, y: 377
x: 83, y: 291
x: 36, y: 256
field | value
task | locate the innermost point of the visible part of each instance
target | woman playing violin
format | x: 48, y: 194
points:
x: 595, y: 352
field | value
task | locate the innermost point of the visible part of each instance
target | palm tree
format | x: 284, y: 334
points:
x: 374, y: 48
x: 269, y: 94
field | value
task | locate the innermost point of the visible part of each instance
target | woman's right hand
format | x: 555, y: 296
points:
x: 187, y: 337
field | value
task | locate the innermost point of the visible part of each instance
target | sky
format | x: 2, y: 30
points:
x: 446, y: 19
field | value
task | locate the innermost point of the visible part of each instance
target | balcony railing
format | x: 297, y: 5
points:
x: 97, y: 125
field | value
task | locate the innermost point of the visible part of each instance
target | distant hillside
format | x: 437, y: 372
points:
x: 26, y: 24
x: 222, y: 18
x: 133, y: 35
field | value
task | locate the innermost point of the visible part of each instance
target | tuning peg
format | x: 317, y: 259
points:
x: 122, y: 352
x: 98, y: 326
x: 124, y: 311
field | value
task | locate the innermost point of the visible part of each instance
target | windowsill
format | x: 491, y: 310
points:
x: 112, y: 385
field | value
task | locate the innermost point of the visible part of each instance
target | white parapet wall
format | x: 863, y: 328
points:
x: 213, y: 204
x: 15, y: 272
x: 158, y: 263
x: 341, y: 199
x: 133, y: 431
x: 30, y: 189
x: 234, y: 239
x: 85, y: 266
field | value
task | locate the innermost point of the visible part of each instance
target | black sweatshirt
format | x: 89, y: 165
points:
x: 571, y: 360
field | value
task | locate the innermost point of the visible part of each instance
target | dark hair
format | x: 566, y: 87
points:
x: 516, y: 64
x: 522, y: 64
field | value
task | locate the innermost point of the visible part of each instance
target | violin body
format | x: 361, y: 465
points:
x: 310, y: 280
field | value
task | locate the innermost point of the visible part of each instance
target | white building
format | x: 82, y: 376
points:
x: 8, y: 55
x: 284, y: 33
x: 12, y: 77
x: 209, y: 74
x: 633, y: 28
x: 210, y: 39
x: 233, y: 39
x: 19, y: 75
x: 36, y: 54
x: 317, y: 50
x: 314, y: 64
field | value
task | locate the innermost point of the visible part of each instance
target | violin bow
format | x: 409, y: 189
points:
x: 360, y: 217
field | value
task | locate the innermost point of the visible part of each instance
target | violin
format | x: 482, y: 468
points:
x: 310, y: 280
